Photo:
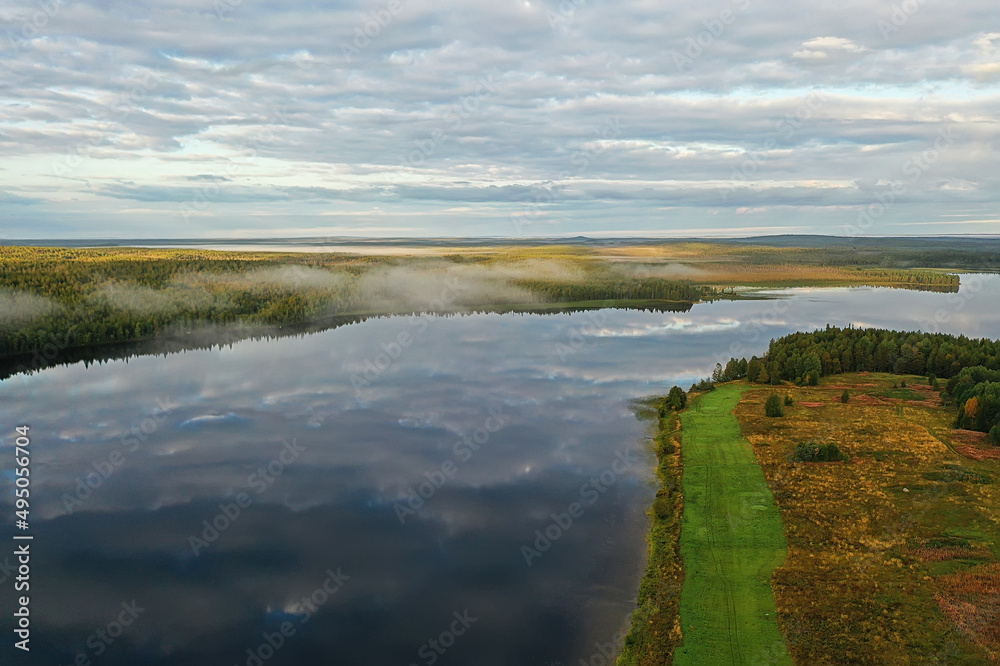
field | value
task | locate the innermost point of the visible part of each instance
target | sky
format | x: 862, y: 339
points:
x: 513, y: 118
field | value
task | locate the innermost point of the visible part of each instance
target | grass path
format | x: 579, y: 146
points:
x: 731, y: 541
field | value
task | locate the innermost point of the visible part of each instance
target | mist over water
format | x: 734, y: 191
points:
x: 328, y: 435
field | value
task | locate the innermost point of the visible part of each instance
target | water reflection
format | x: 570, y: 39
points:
x: 218, y: 488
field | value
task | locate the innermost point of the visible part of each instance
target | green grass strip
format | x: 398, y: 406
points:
x: 731, y: 542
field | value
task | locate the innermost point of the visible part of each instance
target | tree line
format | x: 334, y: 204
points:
x: 971, y: 365
x: 88, y: 297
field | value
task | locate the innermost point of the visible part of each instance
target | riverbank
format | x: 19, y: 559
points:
x: 706, y: 596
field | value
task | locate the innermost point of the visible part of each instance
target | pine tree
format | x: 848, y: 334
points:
x: 772, y: 407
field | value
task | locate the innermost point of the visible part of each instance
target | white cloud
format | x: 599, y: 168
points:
x: 450, y: 122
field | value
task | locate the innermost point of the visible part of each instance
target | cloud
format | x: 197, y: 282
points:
x: 450, y: 122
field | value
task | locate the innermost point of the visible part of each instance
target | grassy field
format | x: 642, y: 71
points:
x: 731, y: 541
x: 891, y: 554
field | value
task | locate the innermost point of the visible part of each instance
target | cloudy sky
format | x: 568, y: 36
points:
x: 239, y: 118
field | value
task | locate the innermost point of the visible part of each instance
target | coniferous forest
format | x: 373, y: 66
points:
x: 971, y: 366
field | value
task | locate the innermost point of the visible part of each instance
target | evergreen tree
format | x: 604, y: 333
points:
x: 677, y: 398
x: 772, y: 407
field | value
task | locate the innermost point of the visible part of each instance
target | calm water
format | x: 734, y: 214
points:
x: 322, y: 445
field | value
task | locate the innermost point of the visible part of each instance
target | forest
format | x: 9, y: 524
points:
x: 54, y: 298
x: 971, y: 365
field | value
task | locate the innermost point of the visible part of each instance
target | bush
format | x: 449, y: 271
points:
x: 932, y: 379
x: 773, y: 407
x: 788, y: 400
x: 703, y: 385
x: 995, y: 435
x: 845, y: 396
x: 812, y: 452
x: 663, y: 508
x: 902, y: 384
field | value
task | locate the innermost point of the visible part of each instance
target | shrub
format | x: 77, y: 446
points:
x: 995, y: 435
x: 663, y: 508
x: 788, y: 400
x: 703, y: 385
x: 666, y: 444
x: 845, y: 396
x: 932, y: 379
x: 773, y: 407
x: 812, y: 452
x: 902, y: 384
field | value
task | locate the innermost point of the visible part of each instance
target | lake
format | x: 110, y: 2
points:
x: 408, y: 490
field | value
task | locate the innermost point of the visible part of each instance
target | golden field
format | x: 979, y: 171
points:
x: 892, y: 554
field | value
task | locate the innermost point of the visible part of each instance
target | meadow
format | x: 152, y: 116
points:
x: 891, y: 554
x: 731, y: 541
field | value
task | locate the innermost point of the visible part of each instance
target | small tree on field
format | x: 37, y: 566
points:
x: 811, y: 452
x: 902, y: 383
x: 931, y: 379
x: 788, y: 400
x: 845, y: 396
x: 995, y: 435
x: 717, y: 373
x: 677, y: 398
x: 675, y: 401
x: 772, y: 407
